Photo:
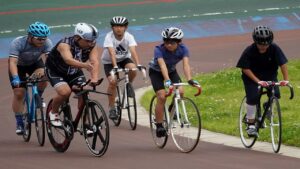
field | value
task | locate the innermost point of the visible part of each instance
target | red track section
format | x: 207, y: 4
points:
x: 86, y: 7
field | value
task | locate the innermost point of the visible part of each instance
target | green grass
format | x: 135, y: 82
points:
x: 220, y: 101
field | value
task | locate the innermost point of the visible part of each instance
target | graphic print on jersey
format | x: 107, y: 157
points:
x: 120, y: 50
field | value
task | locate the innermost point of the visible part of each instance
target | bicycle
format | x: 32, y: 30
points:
x: 94, y: 123
x: 33, y: 109
x: 126, y: 100
x: 183, y: 122
x: 271, y: 112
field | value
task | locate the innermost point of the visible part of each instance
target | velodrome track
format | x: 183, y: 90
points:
x: 135, y: 149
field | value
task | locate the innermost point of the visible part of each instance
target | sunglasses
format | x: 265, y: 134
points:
x: 40, y: 39
x: 171, y: 42
x: 89, y: 41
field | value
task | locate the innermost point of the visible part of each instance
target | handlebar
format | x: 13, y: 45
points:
x: 80, y: 87
x: 34, y: 79
x: 175, y: 85
x: 126, y: 70
x: 272, y: 84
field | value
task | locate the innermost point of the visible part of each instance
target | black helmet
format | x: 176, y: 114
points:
x: 119, y: 20
x: 262, y: 35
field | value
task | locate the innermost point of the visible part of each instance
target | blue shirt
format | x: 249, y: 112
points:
x: 26, y: 53
x: 170, y: 58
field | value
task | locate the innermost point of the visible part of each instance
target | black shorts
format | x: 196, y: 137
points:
x: 56, y: 78
x: 157, y: 79
x: 24, y: 71
x: 122, y: 64
x: 252, y: 93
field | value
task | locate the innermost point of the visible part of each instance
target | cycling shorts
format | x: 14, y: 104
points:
x: 24, y: 71
x: 122, y: 64
x: 157, y: 79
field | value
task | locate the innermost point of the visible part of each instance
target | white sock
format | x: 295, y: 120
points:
x: 251, y: 109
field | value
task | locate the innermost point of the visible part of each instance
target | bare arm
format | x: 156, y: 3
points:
x: 163, y: 68
x: 64, y: 50
x: 284, y: 72
x: 12, y: 66
x: 251, y: 75
x: 134, y: 55
x: 112, y: 54
x: 94, y: 60
x: 187, y: 68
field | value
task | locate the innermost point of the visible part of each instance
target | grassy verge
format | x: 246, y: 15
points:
x: 221, y: 97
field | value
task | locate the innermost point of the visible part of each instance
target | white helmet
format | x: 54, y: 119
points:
x: 172, y: 33
x: 86, y: 31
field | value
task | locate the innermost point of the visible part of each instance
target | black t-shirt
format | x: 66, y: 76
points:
x: 56, y: 63
x: 264, y: 66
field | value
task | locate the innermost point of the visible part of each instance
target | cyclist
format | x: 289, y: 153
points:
x: 119, y: 46
x: 259, y: 63
x: 162, y: 71
x: 65, y: 61
x: 25, y: 58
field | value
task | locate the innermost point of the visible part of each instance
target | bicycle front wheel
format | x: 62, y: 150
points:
x: 39, y: 120
x: 186, y: 125
x: 60, y: 137
x: 275, y: 124
x: 26, y: 121
x: 247, y: 141
x: 131, y: 106
x: 118, y: 106
x: 159, y: 141
x: 96, y: 128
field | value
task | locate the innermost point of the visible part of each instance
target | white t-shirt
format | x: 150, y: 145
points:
x: 121, y: 47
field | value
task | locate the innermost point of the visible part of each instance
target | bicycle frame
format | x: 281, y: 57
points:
x: 30, y: 102
x: 176, y: 98
x: 261, y: 118
x: 126, y: 81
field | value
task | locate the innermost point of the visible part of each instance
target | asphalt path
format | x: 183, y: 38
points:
x: 135, y: 149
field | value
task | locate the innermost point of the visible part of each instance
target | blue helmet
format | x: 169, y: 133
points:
x: 38, y: 29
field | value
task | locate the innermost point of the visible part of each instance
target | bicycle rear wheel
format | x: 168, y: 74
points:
x: 118, y: 106
x: 131, y: 106
x: 186, y: 128
x: 275, y: 124
x: 60, y: 137
x: 26, y: 121
x: 159, y: 141
x: 39, y: 120
x: 96, y: 128
x: 247, y: 141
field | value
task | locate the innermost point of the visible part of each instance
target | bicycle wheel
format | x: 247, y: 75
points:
x: 26, y: 121
x: 186, y: 126
x: 96, y: 128
x: 131, y: 106
x: 159, y: 141
x: 275, y: 124
x: 39, y: 120
x: 118, y: 105
x: 247, y: 141
x: 60, y: 137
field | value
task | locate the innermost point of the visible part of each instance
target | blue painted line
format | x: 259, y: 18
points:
x: 192, y: 29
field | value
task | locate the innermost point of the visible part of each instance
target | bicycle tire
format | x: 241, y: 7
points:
x: 118, y: 106
x: 26, y: 121
x: 186, y: 133
x: 39, y: 120
x: 159, y: 141
x: 247, y: 141
x: 95, y: 121
x: 60, y: 137
x: 275, y: 124
x: 131, y: 106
